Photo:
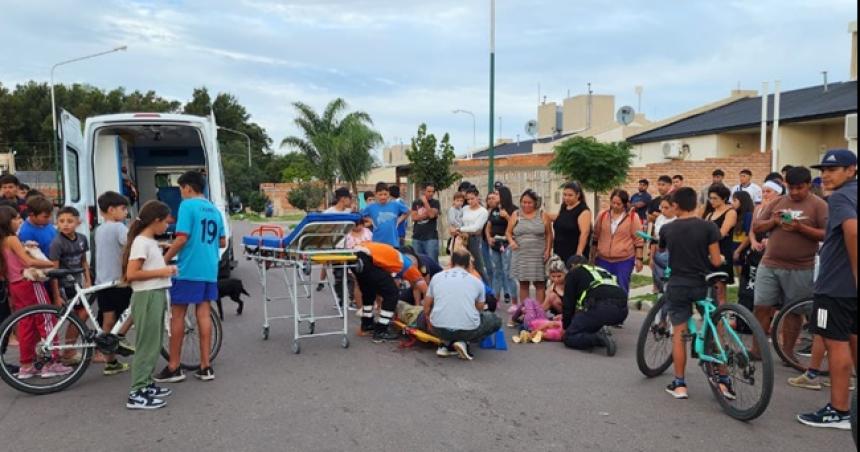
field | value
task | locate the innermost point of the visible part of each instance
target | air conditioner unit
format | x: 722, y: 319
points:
x: 851, y: 126
x: 673, y: 150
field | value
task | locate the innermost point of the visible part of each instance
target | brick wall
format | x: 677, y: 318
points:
x: 697, y: 173
x: 278, y: 193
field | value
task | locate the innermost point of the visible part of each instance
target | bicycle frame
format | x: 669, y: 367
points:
x: 708, y: 325
x: 81, y: 298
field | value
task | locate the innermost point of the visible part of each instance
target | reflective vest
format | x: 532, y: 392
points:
x: 600, y: 277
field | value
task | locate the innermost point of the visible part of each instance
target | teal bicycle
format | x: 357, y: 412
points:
x: 721, y: 343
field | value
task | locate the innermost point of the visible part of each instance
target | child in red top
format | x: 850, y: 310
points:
x: 24, y: 293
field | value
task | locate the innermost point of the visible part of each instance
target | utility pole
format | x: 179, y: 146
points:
x: 491, y: 152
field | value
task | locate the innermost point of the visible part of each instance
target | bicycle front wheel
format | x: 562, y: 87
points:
x: 752, y: 381
x: 56, y: 365
x: 654, y: 346
x: 190, y: 359
x: 792, y: 335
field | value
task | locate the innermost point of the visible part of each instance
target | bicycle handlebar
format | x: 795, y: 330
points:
x: 63, y: 272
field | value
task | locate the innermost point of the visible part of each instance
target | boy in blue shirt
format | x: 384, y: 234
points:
x: 386, y: 216
x: 38, y: 227
x: 394, y: 191
x: 199, y: 238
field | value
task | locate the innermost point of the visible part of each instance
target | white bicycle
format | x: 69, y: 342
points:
x: 61, y: 333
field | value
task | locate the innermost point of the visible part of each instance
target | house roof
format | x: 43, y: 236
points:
x: 796, y: 105
x: 516, y: 147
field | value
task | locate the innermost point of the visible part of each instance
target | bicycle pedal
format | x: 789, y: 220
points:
x: 107, y: 343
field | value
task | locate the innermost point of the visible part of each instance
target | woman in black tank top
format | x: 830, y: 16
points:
x: 572, y: 225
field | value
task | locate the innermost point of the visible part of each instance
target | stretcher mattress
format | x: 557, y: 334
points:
x: 317, y: 219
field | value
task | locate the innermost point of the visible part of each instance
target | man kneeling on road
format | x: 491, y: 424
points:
x: 592, y: 300
x: 380, y: 264
x: 454, y: 306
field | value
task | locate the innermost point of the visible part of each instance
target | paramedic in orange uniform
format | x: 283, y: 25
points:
x: 380, y: 265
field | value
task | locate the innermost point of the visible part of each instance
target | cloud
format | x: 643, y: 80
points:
x: 408, y: 62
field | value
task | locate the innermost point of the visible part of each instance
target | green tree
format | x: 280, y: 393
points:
x: 307, y: 196
x: 296, y: 168
x: 257, y: 201
x: 323, y: 135
x: 429, y: 162
x: 599, y: 167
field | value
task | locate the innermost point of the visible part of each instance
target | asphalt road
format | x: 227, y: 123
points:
x: 379, y: 397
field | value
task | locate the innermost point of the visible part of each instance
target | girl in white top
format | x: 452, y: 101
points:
x: 144, y: 268
x: 474, y: 219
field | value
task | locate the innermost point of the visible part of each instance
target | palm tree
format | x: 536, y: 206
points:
x: 325, y: 135
x: 354, y: 159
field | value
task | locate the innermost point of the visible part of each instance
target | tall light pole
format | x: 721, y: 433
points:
x: 244, y: 135
x: 54, y: 105
x: 474, y: 128
x: 491, y: 152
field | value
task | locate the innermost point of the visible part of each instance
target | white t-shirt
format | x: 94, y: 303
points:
x: 474, y: 220
x: 334, y: 209
x: 660, y: 222
x: 753, y: 189
x: 454, y: 293
x: 147, y: 249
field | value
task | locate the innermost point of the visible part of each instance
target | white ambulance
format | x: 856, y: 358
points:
x: 140, y: 155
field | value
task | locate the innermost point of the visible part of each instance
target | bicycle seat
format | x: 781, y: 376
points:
x: 715, y: 277
x: 63, y: 272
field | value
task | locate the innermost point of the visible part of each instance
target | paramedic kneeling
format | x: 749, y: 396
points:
x: 379, y: 261
x: 454, y: 308
x: 592, y: 300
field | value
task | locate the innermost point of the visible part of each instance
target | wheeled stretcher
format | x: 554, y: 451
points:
x: 316, y: 241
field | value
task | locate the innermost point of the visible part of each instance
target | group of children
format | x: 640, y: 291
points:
x: 131, y: 256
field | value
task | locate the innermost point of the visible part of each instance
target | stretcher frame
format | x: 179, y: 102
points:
x: 313, y: 243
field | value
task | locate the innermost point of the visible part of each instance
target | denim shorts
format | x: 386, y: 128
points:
x: 192, y: 292
x: 680, y: 301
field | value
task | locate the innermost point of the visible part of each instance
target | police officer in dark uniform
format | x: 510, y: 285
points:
x: 592, y: 301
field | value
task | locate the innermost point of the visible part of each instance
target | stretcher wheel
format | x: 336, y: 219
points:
x: 296, y: 348
x: 265, y: 333
x: 344, y: 342
x: 311, y: 327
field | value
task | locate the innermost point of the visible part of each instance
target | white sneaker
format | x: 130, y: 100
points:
x: 443, y: 351
x: 463, y: 350
x: 141, y: 400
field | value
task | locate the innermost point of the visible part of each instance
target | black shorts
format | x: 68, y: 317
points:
x: 115, y: 299
x: 680, y: 301
x: 834, y: 318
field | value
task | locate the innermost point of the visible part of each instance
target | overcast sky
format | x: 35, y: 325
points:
x: 407, y: 62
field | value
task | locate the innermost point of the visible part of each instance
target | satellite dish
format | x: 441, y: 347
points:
x: 531, y: 127
x: 625, y: 115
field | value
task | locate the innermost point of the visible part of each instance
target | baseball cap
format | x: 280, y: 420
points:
x: 837, y: 157
x: 498, y: 184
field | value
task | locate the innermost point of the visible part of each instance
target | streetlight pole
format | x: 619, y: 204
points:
x: 244, y: 135
x: 491, y: 151
x: 474, y: 128
x: 54, y: 105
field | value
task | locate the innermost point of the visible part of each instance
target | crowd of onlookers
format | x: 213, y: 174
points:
x: 564, y: 274
x: 790, y: 237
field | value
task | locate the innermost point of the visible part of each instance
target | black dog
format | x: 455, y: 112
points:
x: 234, y: 289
